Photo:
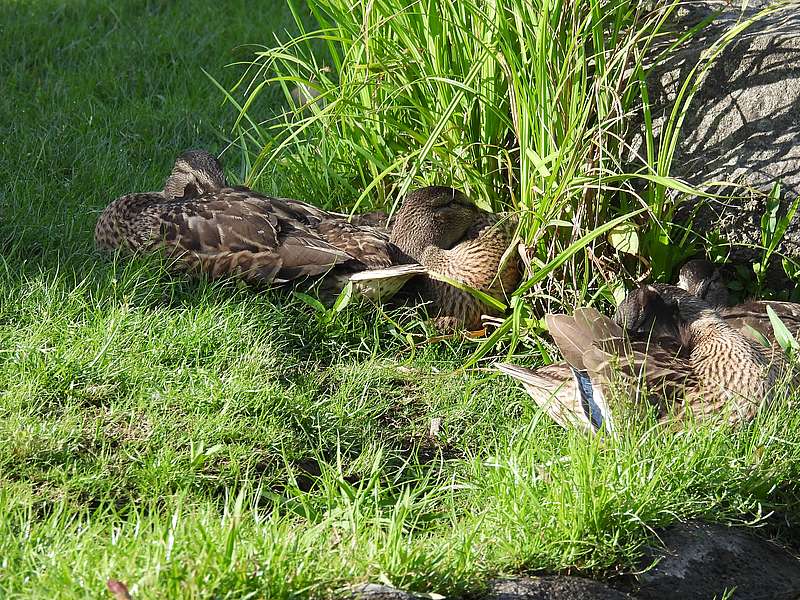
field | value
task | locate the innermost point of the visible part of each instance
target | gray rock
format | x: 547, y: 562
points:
x: 376, y: 591
x: 555, y: 587
x: 703, y: 562
x: 743, y: 124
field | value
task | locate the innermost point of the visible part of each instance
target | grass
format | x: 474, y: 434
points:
x: 200, y: 440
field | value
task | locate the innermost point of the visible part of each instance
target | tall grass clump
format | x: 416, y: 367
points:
x: 523, y: 104
x: 527, y: 105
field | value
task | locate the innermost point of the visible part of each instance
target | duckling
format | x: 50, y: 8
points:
x: 476, y: 260
x: 202, y: 224
x: 663, y: 348
x: 703, y: 279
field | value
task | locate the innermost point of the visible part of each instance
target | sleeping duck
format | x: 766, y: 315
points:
x: 704, y: 279
x: 664, y: 349
x: 195, y: 173
x: 202, y: 224
x: 480, y: 259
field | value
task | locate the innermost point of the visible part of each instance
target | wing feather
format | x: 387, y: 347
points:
x: 555, y: 389
x: 571, y: 337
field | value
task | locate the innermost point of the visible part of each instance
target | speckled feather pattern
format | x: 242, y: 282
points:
x: 476, y: 261
x: 202, y: 224
x: 235, y: 231
x: 703, y: 279
x: 708, y: 369
x: 731, y: 371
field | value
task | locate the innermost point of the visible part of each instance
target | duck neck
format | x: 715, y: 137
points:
x: 411, y: 240
x: 712, y: 339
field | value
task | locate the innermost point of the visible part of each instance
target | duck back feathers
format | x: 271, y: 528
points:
x: 237, y: 231
x: 703, y: 279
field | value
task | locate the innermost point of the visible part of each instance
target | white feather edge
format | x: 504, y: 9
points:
x: 529, y: 377
x: 390, y: 272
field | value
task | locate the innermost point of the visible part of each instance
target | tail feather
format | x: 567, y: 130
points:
x: 557, y: 391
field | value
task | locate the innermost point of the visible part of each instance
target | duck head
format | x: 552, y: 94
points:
x: 646, y: 311
x: 432, y: 216
x: 195, y: 173
x: 663, y: 310
x: 703, y: 279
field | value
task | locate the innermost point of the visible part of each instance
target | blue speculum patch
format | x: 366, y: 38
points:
x: 590, y: 407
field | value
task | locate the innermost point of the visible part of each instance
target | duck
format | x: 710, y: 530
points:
x: 483, y: 258
x: 197, y: 172
x: 664, y: 350
x: 702, y: 278
x: 202, y: 224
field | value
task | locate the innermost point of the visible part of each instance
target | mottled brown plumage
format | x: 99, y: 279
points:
x: 234, y: 231
x: 480, y: 258
x: 665, y: 349
x: 703, y: 279
x: 202, y: 224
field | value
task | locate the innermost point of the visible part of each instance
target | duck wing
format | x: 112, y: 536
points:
x: 585, y: 339
x: 245, y: 235
x: 575, y: 334
x: 368, y: 245
x: 561, y: 392
x: 571, y: 336
x: 656, y: 371
x: 753, y: 316
x: 594, y: 345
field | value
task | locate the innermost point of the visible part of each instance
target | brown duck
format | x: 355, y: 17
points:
x: 481, y: 259
x: 664, y: 349
x: 202, y: 224
x: 704, y: 279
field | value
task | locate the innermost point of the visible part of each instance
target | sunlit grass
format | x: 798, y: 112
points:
x: 202, y: 440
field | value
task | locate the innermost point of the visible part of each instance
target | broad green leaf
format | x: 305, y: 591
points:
x: 344, y: 298
x: 758, y: 336
x: 769, y: 220
x: 311, y: 301
x: 782, y: 334
x: 625, y: 238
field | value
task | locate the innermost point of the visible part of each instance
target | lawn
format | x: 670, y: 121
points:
x: 200, y: 440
